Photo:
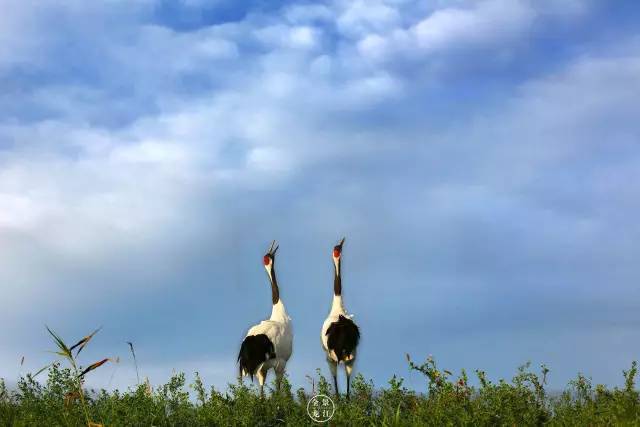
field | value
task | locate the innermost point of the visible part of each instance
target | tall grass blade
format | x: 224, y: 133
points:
x: 61, y: 345
x: 42, y: 370
x: 94, y: 366
x: 135, y: 362
x: 84, y: 341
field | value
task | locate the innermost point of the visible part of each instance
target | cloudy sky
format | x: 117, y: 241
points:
x: 481, y: 158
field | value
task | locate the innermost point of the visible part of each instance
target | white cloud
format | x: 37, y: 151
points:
x: 321, y: 66
x: 308, y: 13
x: 373, y: 46
x: 25, y: 26
x: 371, y: 90
x: 87, y: 189
x: 295, y: 37
x: 151, y: 152
x: 362, y: 17
x: 487, y: 23
x: 163, y: 49
x: 268, y: 159
x: 18, y: 212
x: 491, y: 21
x: 304, y: 37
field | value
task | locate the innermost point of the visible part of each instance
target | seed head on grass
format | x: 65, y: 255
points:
x: 70, y: 397
x: 84, y: 341
x: 94, y: 366
x: 148, y: 390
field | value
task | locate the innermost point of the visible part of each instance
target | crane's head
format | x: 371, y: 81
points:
x: 269, y: 257
x: 337, y: 251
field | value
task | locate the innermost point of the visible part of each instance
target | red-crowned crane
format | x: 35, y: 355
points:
x: 268, y: 344
x: 340, y: 335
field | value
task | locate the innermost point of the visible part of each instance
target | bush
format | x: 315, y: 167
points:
x: 447, y: 400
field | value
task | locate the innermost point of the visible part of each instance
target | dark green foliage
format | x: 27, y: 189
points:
x: 448, y: 400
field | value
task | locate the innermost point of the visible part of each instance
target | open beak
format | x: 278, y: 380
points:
x: 272, y: 250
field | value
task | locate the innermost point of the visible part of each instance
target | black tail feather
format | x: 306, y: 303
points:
x: 255, y: 350
x: 343, y: 337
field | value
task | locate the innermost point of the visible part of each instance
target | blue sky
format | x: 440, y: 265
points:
x: 481, y: 157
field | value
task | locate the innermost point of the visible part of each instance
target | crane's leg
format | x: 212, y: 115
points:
x: 279, y: 368
x: 262, y: 377
x: 348, y: 368
x: 333, y: 367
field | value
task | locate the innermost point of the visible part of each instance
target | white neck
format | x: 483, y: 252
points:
x: 279, y: 313
x: 337, y: 307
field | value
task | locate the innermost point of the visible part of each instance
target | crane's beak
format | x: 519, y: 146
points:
x: 272, y: 250
x: 341, y: 243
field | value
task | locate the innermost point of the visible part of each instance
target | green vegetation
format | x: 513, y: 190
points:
x: 446, y: 400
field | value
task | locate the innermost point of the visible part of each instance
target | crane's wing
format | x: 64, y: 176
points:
x: 278, y: 333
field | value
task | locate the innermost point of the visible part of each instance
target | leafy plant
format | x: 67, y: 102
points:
x: 75, y: 390
x: 447, y: 399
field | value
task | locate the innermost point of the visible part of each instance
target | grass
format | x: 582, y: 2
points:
x: 446, y: 400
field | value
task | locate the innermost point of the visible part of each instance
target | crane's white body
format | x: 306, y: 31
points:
x: 279, y: 331
x: 337, y: 310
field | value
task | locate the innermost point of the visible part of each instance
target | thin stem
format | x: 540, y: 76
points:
x: 79, y: 380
